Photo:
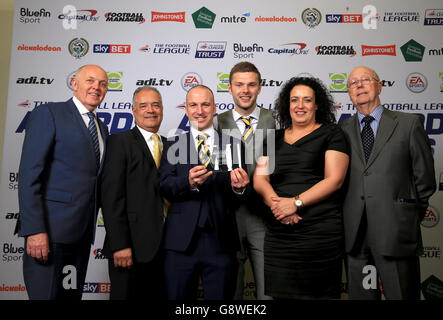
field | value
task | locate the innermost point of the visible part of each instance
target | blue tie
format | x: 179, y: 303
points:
x: 93, y: 132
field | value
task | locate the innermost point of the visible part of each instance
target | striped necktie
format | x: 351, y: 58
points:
x: 203, y: 151
x: 248, y: 128
x: 93, y: 132
x: 157, y: 156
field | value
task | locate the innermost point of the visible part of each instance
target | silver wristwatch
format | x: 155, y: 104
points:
x: 298, y: 203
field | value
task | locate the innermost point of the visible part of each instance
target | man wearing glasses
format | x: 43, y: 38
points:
x: 390, y: 179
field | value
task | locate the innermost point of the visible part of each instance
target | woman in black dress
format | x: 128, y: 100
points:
x: 301, y: 186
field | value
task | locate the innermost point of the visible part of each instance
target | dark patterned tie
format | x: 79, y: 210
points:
x: 248, y: 128
x: 203, y: 151
x: 93, y: 132
x: 367, y: 136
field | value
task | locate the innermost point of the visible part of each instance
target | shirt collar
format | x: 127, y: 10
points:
x: 208, y: 132
x: 80, y: 107
x: 254, y: 114
x: 147, y: 134
x: 376, y: 114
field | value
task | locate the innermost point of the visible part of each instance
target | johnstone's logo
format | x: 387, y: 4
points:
x: 81, y: 15
x: 124, y: 17
x: 434, y: 17
x: 431, y: 219
x: 210, y: 49
x: 291, y: 49
x: 112, y: 48
x: 344, y: 18
x: 168, y: 16
x: 335, y: 51
x: 378, y: 50
x: 46, y: 48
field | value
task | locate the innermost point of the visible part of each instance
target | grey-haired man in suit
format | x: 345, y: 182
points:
x: 249, y: 123
x: 390, y: 180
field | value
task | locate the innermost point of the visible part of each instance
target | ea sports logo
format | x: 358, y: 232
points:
x: 416, y: 82
x: 190, y: 80
x: 431, y: 219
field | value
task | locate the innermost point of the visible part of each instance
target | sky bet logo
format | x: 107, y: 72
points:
x: 344, y: 18
x: 97, y: 287
x: 112, y: 48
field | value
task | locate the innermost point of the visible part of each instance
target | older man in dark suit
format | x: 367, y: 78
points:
x: 58, y: 196
x: 132, y: 207
x: 391, y: 178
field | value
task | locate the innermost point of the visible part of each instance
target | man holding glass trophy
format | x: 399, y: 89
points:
x: 202, y: 174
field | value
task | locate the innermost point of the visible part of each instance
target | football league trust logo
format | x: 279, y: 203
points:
x: 78, y: 47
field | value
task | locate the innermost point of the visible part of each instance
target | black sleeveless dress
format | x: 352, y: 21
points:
x: 304, y: 261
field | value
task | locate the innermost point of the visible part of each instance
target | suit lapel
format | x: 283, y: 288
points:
x: 355, y: 137
x: 78, y: 120
x: 386, y: 127
x: 140, y: 140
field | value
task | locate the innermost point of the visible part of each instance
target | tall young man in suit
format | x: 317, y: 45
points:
x: 249, y: 123
x: 391, y: 177
x: 132, y: 206
x: 58, y: 197
x: 201, y: 175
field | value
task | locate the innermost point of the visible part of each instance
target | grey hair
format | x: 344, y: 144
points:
x: 145, y: 88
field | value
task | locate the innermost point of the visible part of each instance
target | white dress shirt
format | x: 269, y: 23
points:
x: 84, y: 113
x: 147, y: 136
x: 241, y: 125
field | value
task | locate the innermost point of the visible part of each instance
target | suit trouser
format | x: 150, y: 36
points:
x: 252, y: 230
x: 399, y: 276
x: 140, y: 281
x: 50, y: 280
x: 205, y: 259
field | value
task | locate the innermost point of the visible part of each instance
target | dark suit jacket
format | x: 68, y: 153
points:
x: 217, y: 192
x: 394, y: 185
x: 58, y: 174
x: 131, y: 203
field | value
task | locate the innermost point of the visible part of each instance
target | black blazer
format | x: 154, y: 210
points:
x: 131, y: 203
x: 183, y: 214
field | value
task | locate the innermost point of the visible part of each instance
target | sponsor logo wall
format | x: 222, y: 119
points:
x: 175, y: 46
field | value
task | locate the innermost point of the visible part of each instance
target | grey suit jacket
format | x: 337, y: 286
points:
x: 257, y: 141
x: 394, y: 185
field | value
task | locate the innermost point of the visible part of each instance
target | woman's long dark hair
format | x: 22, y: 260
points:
x: 325, y: 112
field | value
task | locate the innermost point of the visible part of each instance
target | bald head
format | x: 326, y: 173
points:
x: 90, y: 85
x: 364, y: 88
